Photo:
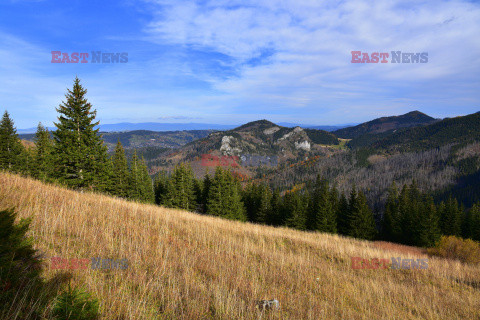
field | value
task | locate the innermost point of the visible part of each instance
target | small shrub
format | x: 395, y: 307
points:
x: 451, y: 247
x: 75, y: 304
x: 20, y: 267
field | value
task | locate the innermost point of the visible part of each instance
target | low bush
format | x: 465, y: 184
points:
x: 75, y: 304
x: 451, y: 247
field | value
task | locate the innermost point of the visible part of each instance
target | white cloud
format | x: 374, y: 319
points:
x: 285, y: 60
x: 311, y: 42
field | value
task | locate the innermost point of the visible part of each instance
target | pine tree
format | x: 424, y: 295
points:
x: 12, y: 151
x: 342, y: 215
x: 321, y: 210
x: 107, y: 185
x: 201, y: 189
x: 295, y: 210
x: 450, y: 218
x: 43, y: 156
x: 207, y: 182
x: 146, y: 186
x: 224, y: 197
x: 472, y: 223
x: 249, y: 201
x: 161, y: 188
x: 407, y: 211
x: 427, y: 231
x: 80, y: 153
x: 274, y: 216
x: 413, y: 219
x: 120, y: 178
x: 181, y: 189
x: 135, y: 179
x: 391, y: 230
x: 198, y: 193
x: 361, y: 219
x: 256, y: 198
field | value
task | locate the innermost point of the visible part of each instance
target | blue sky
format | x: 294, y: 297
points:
x: 230, y: 62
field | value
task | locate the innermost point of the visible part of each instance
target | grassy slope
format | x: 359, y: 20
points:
x: 188, y: 266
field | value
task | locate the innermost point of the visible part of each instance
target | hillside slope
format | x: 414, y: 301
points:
x: 259, y: 138
x: 462, y: 129
x: 188, y: 266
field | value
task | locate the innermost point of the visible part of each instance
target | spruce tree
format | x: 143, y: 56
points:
x: 198, y: 193
x: 120, y: 175
x: 450, y: 218
x: 43, y: 156
x: 147, y: 191
x: 12, y: 152
x: 390, y: 223
x: 80, y: 153
x: 250, y: 201
x: 161, y: 187
x: 473, y: 223
x: 181, y: 189
x: 107, y: 185
x: 274, y: 216
x: 321, y: 210
x: 295, y: 210
x: 224, y: 197
x: 427, y: 231
x: 207, y: 182
x: 342, y: 215
x: 407, y: 211
x: 256, y: 198
x: 135, y: 180
x: 361, y: 219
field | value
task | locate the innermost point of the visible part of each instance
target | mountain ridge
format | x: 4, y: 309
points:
x: 386, y: 124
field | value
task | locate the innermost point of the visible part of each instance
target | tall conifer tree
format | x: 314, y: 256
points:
x: 295, y: 207
x: 361, y: 219
x: 12, y: 152
x: 120, y: 175
x: 80, y: 153
x: 148, y: 194
x: 224, y: 198
x: 321, y: 210
x: 43, y: 156
x: 181, y: 189
x: 342, y: 215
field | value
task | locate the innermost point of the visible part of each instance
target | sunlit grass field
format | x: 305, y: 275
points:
x: 184, y: 265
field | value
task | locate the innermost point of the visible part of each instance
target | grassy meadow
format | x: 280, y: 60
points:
x: 183, y: 265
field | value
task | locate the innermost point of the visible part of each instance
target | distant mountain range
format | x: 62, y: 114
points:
x: 150, y: 126
x: 155, y: 126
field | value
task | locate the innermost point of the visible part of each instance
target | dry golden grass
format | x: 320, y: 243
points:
x: 188, y: 266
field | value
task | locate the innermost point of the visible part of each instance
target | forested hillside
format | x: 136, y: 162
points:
x: 385, y: 124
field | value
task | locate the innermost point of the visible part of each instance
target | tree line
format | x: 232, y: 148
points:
x: 76, y: 155
x: 411, y: 216
x: 77, y: 158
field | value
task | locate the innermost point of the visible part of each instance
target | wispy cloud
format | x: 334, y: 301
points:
x: 310, y: 45
x: 237, y: 61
